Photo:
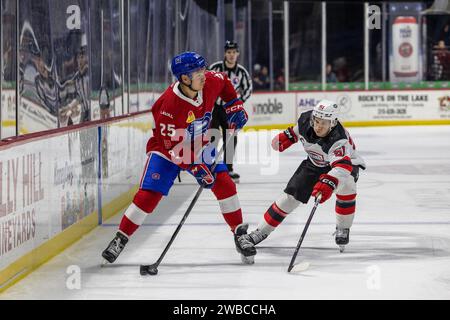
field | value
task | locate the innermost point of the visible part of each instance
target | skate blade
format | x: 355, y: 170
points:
x: 247, y: 260
x: 300, y: 267
x: 104, y: 263
x: 341, y: 249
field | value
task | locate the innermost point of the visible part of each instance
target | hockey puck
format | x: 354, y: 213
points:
x: 145, y: 270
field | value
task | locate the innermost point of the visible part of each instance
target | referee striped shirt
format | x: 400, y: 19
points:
x: 239, y: 77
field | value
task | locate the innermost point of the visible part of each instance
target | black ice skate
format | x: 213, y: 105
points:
x: 233, y: 175
x: 115, y: 247
x: 256, y: 236
x: 243, y: 245
x: 342, y: 237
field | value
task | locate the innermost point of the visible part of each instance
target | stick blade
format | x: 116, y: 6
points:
x: 148, y: 270
x: 300, y: 267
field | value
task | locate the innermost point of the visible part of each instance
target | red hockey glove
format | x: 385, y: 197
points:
x: 284, y: 140
x: 203, y: 175
x: 325, y: 186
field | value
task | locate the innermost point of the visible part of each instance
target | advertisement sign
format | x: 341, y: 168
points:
x: 8, y: 113
x: 405, y: 50
x: 270, y: 109
x: 45, y: 187
x: 382, y: 105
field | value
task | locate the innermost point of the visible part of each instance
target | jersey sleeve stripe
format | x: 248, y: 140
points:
x: 349, y: 168
x: 229, y: 103
x: 344, y: 163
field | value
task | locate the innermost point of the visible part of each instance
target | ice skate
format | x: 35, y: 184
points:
x: 342, y: 238
x: 234, y: 176
x: 115, y: 247
x: 256, y: 236
x: 244, y: 246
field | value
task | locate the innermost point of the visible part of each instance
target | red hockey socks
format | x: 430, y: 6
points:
x: 225, y: 191
x: 144, y: 202
x: 274, y: 215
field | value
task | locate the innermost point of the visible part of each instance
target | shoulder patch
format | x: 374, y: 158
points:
x: 339, y: 152
x: 191, y: 117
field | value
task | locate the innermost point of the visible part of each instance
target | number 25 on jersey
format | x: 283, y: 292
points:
x: 167, y: 130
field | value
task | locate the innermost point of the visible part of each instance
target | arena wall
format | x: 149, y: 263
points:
x: 57, y: 186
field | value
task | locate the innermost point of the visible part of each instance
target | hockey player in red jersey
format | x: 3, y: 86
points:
x: 180, y: 142
x: 332, y: 166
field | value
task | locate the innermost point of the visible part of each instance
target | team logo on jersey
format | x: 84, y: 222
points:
x: 339, y: 152
x: 191, y: 117
x: 156, y: 176
x: 317, y: 158
x: 199, y: 126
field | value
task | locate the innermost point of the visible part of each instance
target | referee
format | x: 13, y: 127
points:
x: 242, y: 83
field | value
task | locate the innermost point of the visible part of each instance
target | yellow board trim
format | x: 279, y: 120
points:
x: 143, y: 126
x: 8, y: 123
x: 20, y: 268
x: 268, y: 127
x: 360, y: 124
x: 113, y: 207
x: 396, y: 123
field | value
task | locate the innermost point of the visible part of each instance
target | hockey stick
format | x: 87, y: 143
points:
x: 303, y: 266
x: 152, y: 269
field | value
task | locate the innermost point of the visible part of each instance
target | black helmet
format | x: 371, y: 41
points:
x: 231, y: 45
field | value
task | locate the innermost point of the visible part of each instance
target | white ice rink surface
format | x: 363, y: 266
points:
x: 399, y: 243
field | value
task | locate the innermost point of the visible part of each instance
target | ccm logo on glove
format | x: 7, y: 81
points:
x: 325, y: 186
x: 236, y: 116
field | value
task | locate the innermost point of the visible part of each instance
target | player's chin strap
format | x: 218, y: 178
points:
x: 190, y: 85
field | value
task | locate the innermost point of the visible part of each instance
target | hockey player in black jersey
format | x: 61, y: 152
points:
x: 332, y: 166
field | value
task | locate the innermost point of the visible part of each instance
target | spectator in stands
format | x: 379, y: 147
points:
x: 257, y: 83
x: 261, y: 80
x: 446, y: 35
x: 441, y: 62
x: 104, y: 103
x: 279, y: 81
x: 331, y: 76
x: 341, y: 69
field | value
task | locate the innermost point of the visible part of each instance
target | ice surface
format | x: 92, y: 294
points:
x: 399, y: 243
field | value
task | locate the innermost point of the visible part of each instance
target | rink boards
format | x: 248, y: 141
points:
x: 55, y: 188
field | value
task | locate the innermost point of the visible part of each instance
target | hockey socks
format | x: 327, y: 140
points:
x: 276, y: 213
x: 225, y: 191
x: 345, y: 210
x: 143, y: 204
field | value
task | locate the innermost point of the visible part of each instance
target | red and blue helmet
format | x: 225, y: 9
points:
x: 186, y: 63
